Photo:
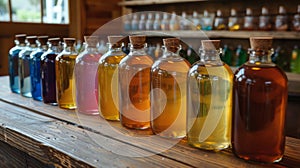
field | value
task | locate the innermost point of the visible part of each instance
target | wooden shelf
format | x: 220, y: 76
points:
x: 222, y: 34
x: 153, y: 2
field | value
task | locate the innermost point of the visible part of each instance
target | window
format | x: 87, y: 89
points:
x: 35, y: 11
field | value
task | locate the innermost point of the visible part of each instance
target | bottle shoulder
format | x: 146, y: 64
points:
x: 132, y: 60
x: 176, y: 65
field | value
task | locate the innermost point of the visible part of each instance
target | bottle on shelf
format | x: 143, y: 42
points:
x: 48, y: 71
x: 240, y: 56
x: 207, y: 21
x: 296, y: 20
x: 127, y: 22
x: 281, y: 20
x: 158, y: 51
x: 265, y: 20
x: 24, y: 66
x: 142, y: 22
x: 157, y: 22
x: 279, y: 58
x: 135, y: 22
x: 249, y: 20
x: 174, y: 23
x: 13, y: 57
x: 196, y: 20
x: 259, y: 106
x: 86, y: 77
x: 209, y: 100
x: 220, y: 22
x: 35, y: 67
x: 295, y: 60
x: 165, y: 22
x: 64, y: 67
x: 168, y: 95
x: 234, y: 21
x: 149, y: 22
x: 226, y: 55
x: 184, y: 23
x: 108, y: 79
x: 191, y: 55
x: 134, y: 85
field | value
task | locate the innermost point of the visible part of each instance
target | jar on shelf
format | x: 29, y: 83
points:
x: 220, y: 22
x: 265, y: 20
x: 281, y: 20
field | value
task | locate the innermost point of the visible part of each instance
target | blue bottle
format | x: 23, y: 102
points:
x: 24, y: 68
x: 35, y: 67
x: 14, y: 62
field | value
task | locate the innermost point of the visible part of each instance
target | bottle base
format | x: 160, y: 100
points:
x: 28, y: 95
x: 38, y: 98
x: 88, y: 112
x: 110, y: 118
x: 67, y: 106
x: 170, y: 135
x: 261, y: 159
x: 210, y: 145
x: 136, y: 126
x: 15, y: 91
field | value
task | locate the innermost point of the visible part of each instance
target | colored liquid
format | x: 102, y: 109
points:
x: 35, y: 75
x: 48, y: 78
x: 209, y: 106
x: 260, y: 95
x: 13, y: 69
x: 24, y: 73
x: 86, y: 78
x: 168, y: 97
x: 108, y: 86
x: 65, y: 81
x: 134, y: 91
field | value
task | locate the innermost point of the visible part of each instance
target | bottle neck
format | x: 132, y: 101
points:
x: 91, y: 49
x: 260, y: 57
x: 115, y: 47
x: 211, y: 55
x: 43, y: 47
x: 70, y: 49
x: 31, y: 46
x: 171, y: 51
x: 137, y: 50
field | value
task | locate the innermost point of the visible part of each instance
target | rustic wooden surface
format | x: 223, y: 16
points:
x: 64, y: 138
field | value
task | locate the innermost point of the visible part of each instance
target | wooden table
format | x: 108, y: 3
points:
x: 33, y: 134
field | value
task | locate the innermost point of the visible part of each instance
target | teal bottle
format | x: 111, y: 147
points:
x: 226, y: 55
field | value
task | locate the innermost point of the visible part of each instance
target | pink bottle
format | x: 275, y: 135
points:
x: 86, y: 81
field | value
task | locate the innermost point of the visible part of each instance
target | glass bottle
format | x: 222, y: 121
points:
x: 48, y: 71
x: 64, y: 67
x: 86, y: 77
x: 209, y: 100
x: 281, y: 20
x: 108, y: 79
x: 233, y: 21
x: 207, y: 21
x: 296, y: 20
x: 174, y: 24
x: 134, y: 85
x: 220, y: 22
x: 149, y: 22
x: 240, y: 56
x: 165, y: 22
x: 227, y: 55
x: 14, y: 62
x: 265, y: 22
x: 135, y: 22
x: 260, y: 99
x: 295, y: 60
x: 157, y: 22
x: 196, y: 20
x: 184, y: 22
x: 249, y: 20
x: 168, y: 92
x: 35, y: 67
x: 142, y: 22
x: 24, y: 67
x: 127, y: 22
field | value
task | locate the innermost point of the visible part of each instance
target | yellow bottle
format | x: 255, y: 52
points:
x: 108, y: 79
x: 168, y: 92
x: 64, y: 66
x: 209, y: 97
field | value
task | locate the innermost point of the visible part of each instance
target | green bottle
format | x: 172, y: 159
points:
x: 241, y: 56
x: 226, y: 55
x: 295, y: 60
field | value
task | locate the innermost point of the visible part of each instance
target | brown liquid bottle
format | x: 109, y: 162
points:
x: 259, y: 103
x: 134, y: 85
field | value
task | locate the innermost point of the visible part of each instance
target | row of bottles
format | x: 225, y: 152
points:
x: 205, y: 101
x: 215, y: 21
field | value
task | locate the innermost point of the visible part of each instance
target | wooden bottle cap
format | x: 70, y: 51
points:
x: 69, y: 41
x: 115, y: 39
x: 261, y: 43
x: 91, y: 40
x: 54, y: 41
x: 31, y: 39
x: 20, y: 37
x: 43, y: 40
x: 210, y: 44
x: 172, y: 44
x: 137, y: 41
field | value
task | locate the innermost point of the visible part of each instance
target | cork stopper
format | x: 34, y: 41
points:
x: 21, y: 38
x: 69, y: 41
x: 54, y: 41
x: 137, y: 41
x: 172, y: 44
x: 43, y: 40
x: 91, y: 40
x: 31, y: 39
x: 115, y: 40
x: 210, y: 44
x: 261, y: 43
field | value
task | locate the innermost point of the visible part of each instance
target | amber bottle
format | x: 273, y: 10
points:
x: 259, y: 104
x: 134, y: 85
